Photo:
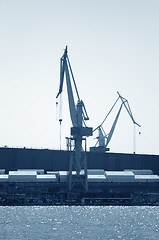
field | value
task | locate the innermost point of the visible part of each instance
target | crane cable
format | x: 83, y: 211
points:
x: 59, y: 114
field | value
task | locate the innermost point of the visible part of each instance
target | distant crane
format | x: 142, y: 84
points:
x: 79, y: 130
x: 103, y: 138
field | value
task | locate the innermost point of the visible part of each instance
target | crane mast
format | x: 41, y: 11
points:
x: 79, y: 131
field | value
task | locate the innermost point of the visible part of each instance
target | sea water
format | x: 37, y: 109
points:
x: 79, y: 222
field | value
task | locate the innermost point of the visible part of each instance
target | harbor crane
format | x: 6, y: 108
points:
x: 79, y: 131
x: 103, y: 139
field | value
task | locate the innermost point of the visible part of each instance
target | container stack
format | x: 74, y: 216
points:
x: 93, y: 175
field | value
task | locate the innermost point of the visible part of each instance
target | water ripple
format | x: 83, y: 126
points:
x: 79, y: 223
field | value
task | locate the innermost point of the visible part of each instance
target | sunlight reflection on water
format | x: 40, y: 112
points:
x: 76, y: 222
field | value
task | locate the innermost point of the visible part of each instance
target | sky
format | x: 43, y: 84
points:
x: 112, y: 46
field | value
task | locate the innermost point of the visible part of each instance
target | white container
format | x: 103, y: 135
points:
x: 3, y: 177
x: 119, y: 173
x: 146, y: 178
x: 94, y: 172
x: 119, y: 176
x: 38, y: 171
x: 22, y: 176
x: 22, y: 173
x: 96, y: 178
x: 140, y: 171
x: 46, y: 178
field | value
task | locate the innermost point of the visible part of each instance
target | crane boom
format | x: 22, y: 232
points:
x: 62, y: 68
x: 113, y: 126
x: 65, y: 71
x: 71, y: 98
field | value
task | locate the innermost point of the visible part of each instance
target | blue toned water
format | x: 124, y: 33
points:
x: 110, y: 222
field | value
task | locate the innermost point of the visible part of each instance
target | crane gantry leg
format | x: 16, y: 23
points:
x: 78, y: 163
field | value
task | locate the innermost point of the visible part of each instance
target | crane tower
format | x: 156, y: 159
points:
x: 79, y: 130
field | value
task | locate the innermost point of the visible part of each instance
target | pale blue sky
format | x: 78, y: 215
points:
x: 112, y: 46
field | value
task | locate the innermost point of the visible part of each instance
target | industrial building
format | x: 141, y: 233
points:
x: 58, y: 160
